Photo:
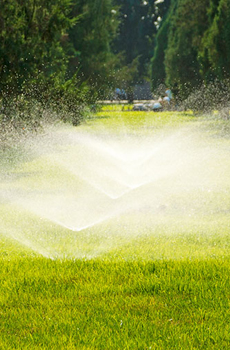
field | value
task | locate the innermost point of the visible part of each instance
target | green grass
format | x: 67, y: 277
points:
x: 114, y: 305
x: 138, y: 281
x: 135, y: 121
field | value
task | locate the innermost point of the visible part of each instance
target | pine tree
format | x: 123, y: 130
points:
x: 91, y: 38
x: 31, y: 41
x: 215, y: 50
x: 187, y: 27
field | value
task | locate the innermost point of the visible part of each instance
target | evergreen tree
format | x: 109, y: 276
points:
x: 158, y: 74
x: 215, y: 50
x: 91, y: 38
x: 31, y: 41
x: 135, y: 35
x: 188, y: 23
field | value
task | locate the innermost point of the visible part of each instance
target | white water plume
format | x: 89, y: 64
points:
x: 78, y: 179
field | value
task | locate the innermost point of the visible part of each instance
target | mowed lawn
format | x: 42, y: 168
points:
x: 114, y: 305
x: 151, y: 279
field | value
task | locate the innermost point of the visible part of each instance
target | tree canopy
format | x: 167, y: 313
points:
x: 82, y: 47
x: 31, y: 41
x: 193, y: 45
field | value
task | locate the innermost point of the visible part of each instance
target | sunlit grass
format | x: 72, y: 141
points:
x: 121, y: 305
x: 142, y: 122
x: 155, y: 277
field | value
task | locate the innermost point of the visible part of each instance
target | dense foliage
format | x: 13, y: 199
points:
x: 70, y: 53
x: 193, y: 45
x: 31, y: 42
x: 91, y: 38
x: 48, y: 48
x: 55, y: 53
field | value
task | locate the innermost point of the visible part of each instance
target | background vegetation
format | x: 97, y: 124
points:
x: 192, y: 46
x: 68, y: 54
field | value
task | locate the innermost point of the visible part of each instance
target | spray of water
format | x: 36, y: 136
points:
x: 74, y: 181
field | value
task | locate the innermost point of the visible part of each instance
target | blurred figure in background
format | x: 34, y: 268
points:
x: 168, y: 94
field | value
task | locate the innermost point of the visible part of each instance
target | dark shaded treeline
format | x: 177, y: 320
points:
x: 55, y: 53
x: 193, y: 46
x: 90, y: 45
x: 54, y: 46
x: 71, y: 52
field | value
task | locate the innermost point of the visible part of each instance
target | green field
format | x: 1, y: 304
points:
x: 93, y: 257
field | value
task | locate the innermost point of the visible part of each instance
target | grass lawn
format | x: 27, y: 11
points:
x: 148, y: 265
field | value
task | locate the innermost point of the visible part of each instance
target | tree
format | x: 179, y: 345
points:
x: 31, y: 42
x: 158, y: 74
x: 215, y: 50
x: 91, y: 38
x: 135, y: 34
x: 188, y: 24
